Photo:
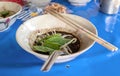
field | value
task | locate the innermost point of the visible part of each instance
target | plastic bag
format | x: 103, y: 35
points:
x: 57, y: 7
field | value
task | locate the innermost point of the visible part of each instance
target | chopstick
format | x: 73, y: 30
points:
x: 76, y: 25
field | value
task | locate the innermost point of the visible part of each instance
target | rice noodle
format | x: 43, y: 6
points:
x: 66, y: 44
x: 64, y: 36
x: 69, y: 50
x: 40, y: 35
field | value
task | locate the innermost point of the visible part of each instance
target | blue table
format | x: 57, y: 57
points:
x: 97, y: 61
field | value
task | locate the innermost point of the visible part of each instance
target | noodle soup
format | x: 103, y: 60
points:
x: 56, y: 40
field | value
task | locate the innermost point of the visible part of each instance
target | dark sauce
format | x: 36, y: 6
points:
x: 73, y: 46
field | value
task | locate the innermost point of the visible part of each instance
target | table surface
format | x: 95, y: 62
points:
x: 97, y: 61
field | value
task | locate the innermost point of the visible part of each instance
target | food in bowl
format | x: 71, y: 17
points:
x: 55, y: 39
x: 6, y: 13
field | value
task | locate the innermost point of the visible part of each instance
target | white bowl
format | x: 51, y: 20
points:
x: 5, y: 23
x: 39, y: 3
x: 79, y: 2
x: 48, y: 21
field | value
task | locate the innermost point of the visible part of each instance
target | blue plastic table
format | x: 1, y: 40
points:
x: 97, y: 61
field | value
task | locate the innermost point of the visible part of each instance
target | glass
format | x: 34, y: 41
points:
x: 109, y: 6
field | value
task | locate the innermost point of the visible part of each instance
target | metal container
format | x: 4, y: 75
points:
x: 109, y: 6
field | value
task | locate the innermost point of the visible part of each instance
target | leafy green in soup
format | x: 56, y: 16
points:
x: 49, y: 42
x: 6, y: 13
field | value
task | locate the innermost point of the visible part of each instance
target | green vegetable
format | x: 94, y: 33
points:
x: 50, y: 36
x: 58, y: 40
x: 4, y: 13
x: 51, y: 43
x: 42, y: 48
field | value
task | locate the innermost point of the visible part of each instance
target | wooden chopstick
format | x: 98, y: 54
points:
x: 74, y: 24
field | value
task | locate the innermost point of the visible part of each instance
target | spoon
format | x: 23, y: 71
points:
x: 50, y: 61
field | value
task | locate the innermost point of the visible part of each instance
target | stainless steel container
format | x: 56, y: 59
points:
x: 109, y: 6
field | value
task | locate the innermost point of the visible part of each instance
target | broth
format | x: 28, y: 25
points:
x: 73, y: 46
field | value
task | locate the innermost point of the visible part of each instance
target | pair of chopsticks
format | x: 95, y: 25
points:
x: 76, y: 25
